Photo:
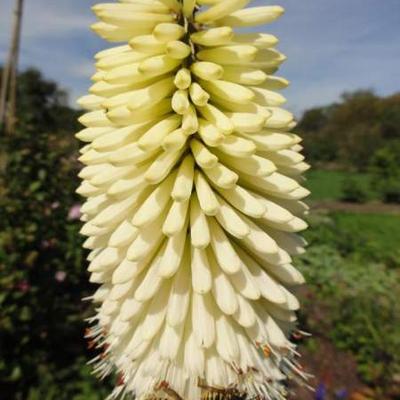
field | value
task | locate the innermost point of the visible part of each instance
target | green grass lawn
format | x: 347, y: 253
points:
x: 366, y: 236
x: 327, y: 185
x: 371, y: 234
x: 381, y: 231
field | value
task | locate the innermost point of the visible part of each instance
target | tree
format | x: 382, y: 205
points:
x: 349, y: 132
x: 312, y: 127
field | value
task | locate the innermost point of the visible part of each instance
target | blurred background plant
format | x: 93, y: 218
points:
x: 42, y: 268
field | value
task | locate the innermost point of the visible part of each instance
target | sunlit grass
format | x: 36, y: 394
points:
x: 328, y: 185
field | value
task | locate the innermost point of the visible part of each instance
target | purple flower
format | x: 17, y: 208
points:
x: 48, y: 243
x: 45, y: 244
x: 55, y: 205
x: 74, y: 212
x: 23, y: 286
x: 60, y: 276
x: 320, y: 393
x: 341, y: 394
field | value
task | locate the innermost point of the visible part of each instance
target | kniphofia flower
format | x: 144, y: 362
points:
x: 192, y: 180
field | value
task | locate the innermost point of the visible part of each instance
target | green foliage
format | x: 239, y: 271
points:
x: 354, y: 191
x: 358, y: 310
x: 356, y: 299
x: 74, y: 382
x: 42, y: 278
x: 385, y: 172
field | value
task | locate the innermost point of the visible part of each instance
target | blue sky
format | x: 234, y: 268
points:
x: 332, y: 45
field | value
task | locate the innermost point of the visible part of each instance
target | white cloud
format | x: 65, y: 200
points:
x: 55, y: 39
x: 44, y: 18
x: 82, y: 69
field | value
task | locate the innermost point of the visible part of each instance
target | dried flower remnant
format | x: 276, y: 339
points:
x: 193, y: 202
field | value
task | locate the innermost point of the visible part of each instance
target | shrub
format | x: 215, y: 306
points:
x: 362, y: 313
x: 354, y: 191
x: 385, y: 172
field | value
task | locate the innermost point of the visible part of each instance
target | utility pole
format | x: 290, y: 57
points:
x: 8, y: 95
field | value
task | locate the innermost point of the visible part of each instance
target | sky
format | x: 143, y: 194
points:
x: 332, y: 46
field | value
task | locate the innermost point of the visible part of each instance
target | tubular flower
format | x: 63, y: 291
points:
x: 192, y: 180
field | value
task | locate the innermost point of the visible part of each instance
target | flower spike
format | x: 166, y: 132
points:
x: 193, y: 202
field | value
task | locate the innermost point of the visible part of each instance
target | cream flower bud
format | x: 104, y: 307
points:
x: 193, y: 202
x: 168, y: 31
x: 213, y: 36
x: 252, y: 16
x: 198, y: 95
x: 183, y: 79
x: 178, y: 49
x: 207, y: 70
